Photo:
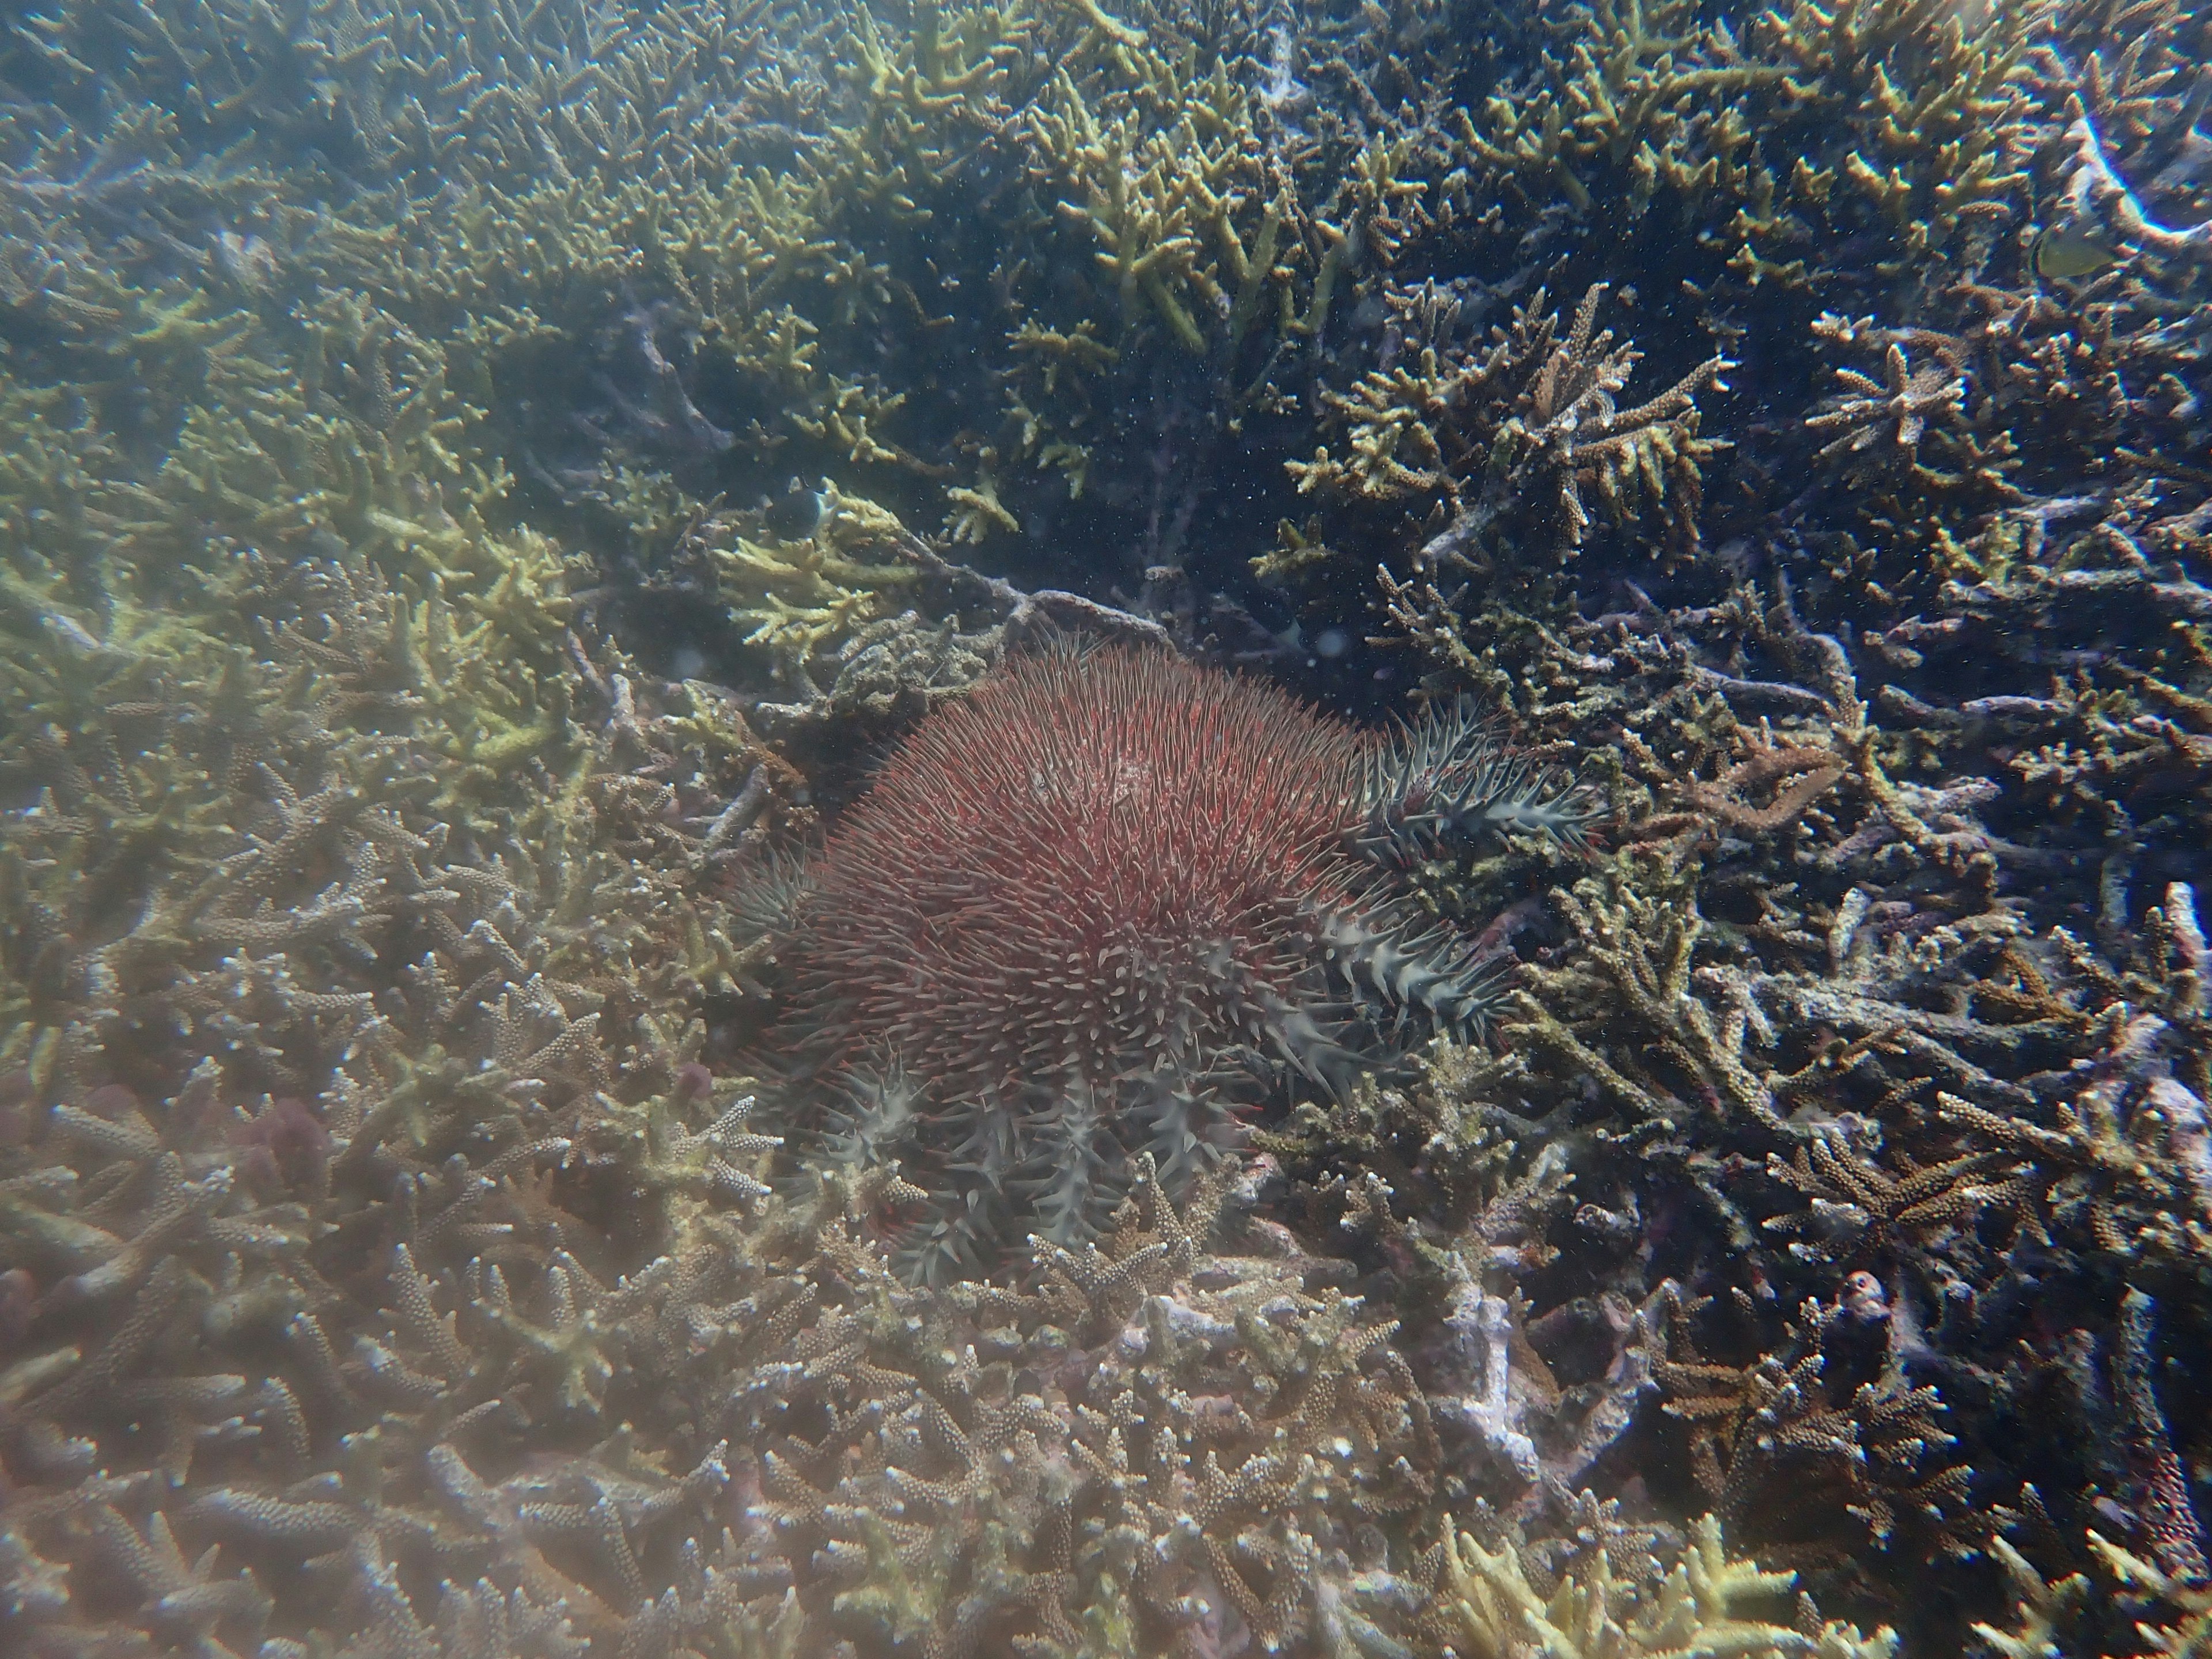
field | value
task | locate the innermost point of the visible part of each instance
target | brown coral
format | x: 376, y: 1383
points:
x: 1529, y: 415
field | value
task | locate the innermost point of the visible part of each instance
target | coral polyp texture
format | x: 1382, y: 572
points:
x: 1095, y: 910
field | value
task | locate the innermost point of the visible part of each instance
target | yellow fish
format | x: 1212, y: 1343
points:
x: 2072, y: 253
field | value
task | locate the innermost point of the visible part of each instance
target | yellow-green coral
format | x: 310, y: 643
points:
x: 1592, y: 1614
x: 1787, y: 123
x: 799, y: 597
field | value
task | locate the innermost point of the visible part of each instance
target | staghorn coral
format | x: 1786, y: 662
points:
x: 1645, y: 952
x: 1483, y: 433
x: 881, y: 666
x: 1895, y: 411
x: 1778, y: 130
x: 2125, y: 1161
x: 796, y: 597
x: 1821, y: 984
x: 1161, y: 206
x: 412, y: 410
x: 1696, y: 1606
x: 1443, y: 1149
x: 1858, y: 1206
x: 1467, y: 1209
x: 1145, y: 1449
x: 379, y: 1036
x: 398, y: 1270
x: 2085, y: 1614
x: 1833, y: 1467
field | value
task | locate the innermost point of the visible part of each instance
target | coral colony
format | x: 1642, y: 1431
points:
x: 1103, y: 828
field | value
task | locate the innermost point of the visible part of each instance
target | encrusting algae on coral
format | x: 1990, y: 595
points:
x: 1001, y: 831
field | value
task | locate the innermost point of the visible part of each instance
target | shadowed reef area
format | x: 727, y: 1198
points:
x: 1089, y: 828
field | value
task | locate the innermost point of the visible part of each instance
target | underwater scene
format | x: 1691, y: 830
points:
x: 1105, y: 829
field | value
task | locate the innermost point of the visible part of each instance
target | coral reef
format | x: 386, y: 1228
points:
x: 1116, y: 827
x: 1516, y: 427
x: 1694, y: 1610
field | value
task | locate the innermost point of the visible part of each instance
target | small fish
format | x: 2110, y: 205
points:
x: 2072, y: 253
x: 245, y: 259
x: 73, y: 633
x: 793, y: 516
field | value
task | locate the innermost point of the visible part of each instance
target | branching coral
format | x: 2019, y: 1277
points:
x: 411, y: 410
x: 1489, y: 431
x: 2127, y: 1161
x: 1161, y: 1443
x: 801, y: 598
x: 379, y: 1053
x: 1699, y: 1606
x: 1857, y: 1206
x: 1799, y: 124
x: 1839, y: 1079
x: 915, y: 1464
x: 1828, y: 1466
x: 1161, y: 205
x: 1646, y: 950
x: 1895, y: 411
